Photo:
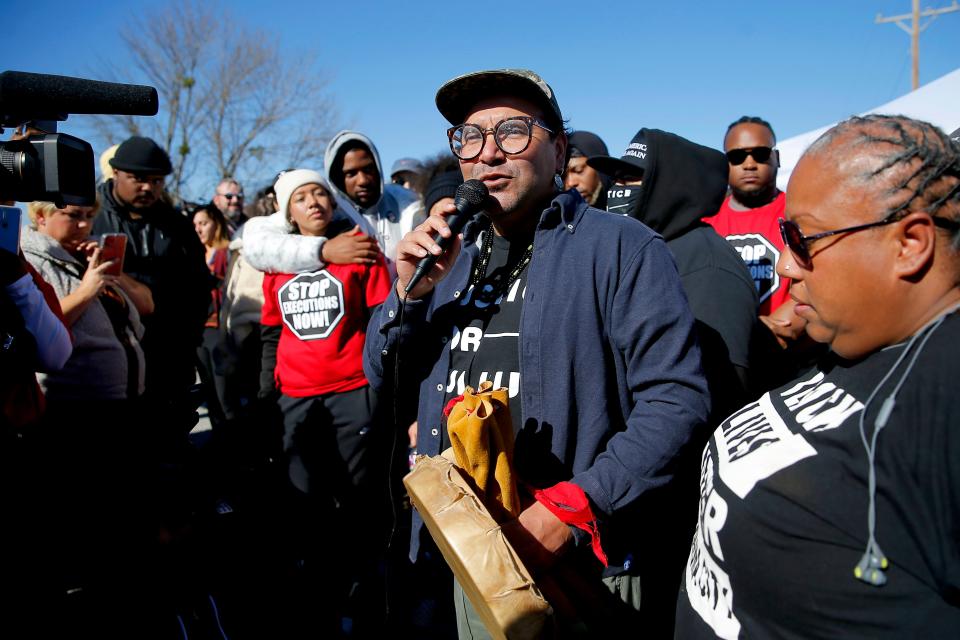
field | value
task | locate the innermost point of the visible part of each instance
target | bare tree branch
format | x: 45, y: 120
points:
x: 231, y: 104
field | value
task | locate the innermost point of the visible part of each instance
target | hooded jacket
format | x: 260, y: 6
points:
x: 683, y: 182
x: 270, y: 247
x: 391, y: 217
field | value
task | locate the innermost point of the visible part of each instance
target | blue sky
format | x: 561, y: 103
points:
x: 616, y: 66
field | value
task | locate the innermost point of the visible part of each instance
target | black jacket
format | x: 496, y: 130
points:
x: 684, y: 182
x: 164, y: 253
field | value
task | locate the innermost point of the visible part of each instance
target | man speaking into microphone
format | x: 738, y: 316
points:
x: 579, y: 314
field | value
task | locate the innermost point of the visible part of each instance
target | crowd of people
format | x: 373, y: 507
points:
x: 672, y: 330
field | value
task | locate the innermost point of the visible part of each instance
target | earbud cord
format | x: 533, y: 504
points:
x: 873, y: 558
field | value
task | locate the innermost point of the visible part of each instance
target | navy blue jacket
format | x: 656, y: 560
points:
x: 611, y: 384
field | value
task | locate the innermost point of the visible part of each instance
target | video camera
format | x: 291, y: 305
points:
x: 55, y: 166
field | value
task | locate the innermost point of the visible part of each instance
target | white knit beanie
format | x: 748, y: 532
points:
x: 290, y: 181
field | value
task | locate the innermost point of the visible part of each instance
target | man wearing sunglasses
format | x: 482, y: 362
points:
x: 829, y: 507
x: 602, y: 366
x: 748, y: 216
x: 407, y: 172
x: 229, y: 199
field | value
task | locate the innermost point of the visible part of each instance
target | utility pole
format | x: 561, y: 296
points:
x: 914, y: 29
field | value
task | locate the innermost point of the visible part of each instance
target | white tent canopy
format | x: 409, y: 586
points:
x: 937, y: 102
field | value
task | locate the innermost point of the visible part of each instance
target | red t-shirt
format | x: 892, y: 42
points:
x: 324, y: 322
x: 755, y: 235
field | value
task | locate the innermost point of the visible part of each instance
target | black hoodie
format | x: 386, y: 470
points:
x: 683, y: 182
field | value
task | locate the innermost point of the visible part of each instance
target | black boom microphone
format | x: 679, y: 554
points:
x: 469, y: 201
x: 39, y: 96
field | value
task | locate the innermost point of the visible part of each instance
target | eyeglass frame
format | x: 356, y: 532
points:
x: 748, y: 151
x: 802, y: 254
x: 529, y: 120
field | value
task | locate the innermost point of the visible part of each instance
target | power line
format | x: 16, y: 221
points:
x: 915, y: 28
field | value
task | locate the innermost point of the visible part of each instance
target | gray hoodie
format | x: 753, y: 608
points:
x: 391, y: 217
x: 269, y: 246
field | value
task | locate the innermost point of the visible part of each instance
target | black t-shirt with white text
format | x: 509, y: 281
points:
x: 784, y: 501
x: 486, y: 338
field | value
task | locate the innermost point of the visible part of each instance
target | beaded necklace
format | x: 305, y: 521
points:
x: 486, y: 250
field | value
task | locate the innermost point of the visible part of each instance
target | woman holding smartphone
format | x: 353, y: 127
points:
x: 102, y: 311
x: 93, y: 433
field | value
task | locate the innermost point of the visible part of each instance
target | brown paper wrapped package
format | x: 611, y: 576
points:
x: 486, y: 566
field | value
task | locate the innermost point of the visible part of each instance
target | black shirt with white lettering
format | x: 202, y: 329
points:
x: 784, y: 502
x: 486, y: 338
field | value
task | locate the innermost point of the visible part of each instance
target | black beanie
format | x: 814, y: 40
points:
x: 442, y: 185
x: 141, y: 155
x: 586, y: 144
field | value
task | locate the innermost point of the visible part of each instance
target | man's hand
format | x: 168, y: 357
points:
x: 412, y: 435
x: 786, y: 326
x: 350, y: 248
x: 417, y: 244
x: 538, y: 536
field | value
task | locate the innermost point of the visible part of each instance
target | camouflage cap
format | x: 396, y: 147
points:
x: 457, y: 96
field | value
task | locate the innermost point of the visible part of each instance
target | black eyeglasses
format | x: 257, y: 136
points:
x: 739, y: 156
x: 799, y: 244
x: 512, y: 136
x: 231, y: 196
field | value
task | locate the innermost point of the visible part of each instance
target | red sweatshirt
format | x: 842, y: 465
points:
x: 324, y: 321
x: 755, y: 235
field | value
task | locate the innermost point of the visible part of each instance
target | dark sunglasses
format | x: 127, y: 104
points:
x: 231, y: 196
x: 739, y: 156
x: 799, y: 244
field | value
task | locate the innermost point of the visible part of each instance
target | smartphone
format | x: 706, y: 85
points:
x: 113, y: 246
x: 10, y: 226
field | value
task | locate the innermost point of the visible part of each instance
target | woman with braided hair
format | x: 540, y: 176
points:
x: 830, y: 507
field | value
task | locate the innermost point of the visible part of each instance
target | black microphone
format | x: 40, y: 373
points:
x: 41, y: 96
x: 469, y: 201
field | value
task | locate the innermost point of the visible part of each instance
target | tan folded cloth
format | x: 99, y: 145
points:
x: 481, y: 435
